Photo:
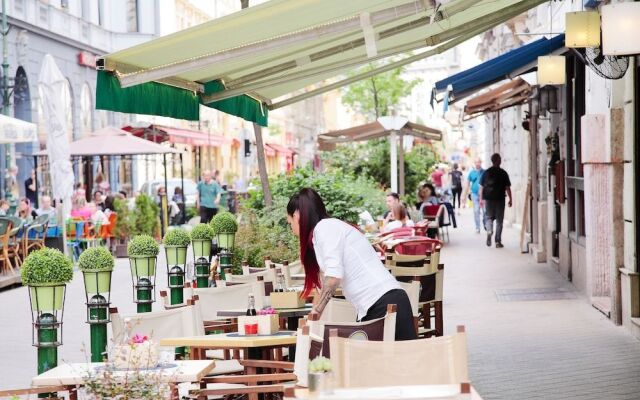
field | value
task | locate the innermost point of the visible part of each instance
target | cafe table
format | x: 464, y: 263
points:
x: 175, y: 372
x: 406, y: 392
x: 255, y: 346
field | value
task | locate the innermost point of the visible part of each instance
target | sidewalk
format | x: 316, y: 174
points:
x: 552, y: 349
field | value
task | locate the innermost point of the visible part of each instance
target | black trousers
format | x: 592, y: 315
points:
x: 206, y: 214
x: 405, y: 329
x: 457, y: 192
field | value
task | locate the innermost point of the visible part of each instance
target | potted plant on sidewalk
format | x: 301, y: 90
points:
x: 46, y: 272
x: 96, y: 264
x: 201, y: 237
x: 143, y: 251
x: 225, y: 226
x: 176, y: 241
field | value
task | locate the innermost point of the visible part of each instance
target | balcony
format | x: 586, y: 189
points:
x: 63, y: 23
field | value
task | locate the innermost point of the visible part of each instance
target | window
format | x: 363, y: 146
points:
x: 575, y: 109
x: 86, y: 111
x: 67, y: 103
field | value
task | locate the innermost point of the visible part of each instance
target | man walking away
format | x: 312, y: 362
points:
x: 474, y: 183
x: 208, y: 197
x: 456, y: 185
x: 494, y: 183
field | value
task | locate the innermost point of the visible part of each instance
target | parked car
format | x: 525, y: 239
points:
x: 190, y: 189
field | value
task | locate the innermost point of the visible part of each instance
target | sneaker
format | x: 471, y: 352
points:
x: 489, y: 239
x: 499, y: 245
x: 477, y: 230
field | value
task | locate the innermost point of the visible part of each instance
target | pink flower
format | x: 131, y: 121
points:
x: 138, y: 339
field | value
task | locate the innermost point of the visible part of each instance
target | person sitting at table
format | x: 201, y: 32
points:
x: 47, y: 209
x: 4, y: 207
x: 98, y: 216
x: 392, y: 200
x: 25, y: 212
x: 80, y: 209
x: 400, y: 219
x: 335, y: 253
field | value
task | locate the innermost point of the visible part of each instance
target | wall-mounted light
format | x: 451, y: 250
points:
x: 551, y: 70
x: 582, y: 29
x: 620, y: 29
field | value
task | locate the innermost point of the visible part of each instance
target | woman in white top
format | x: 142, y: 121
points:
x: 400, y: 219
x: 336, y: 253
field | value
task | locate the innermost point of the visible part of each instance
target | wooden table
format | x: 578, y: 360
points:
x: 417, y: 392
x: 253, y: 345
x: 75, y: 374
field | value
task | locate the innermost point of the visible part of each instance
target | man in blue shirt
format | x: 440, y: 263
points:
x: 208, y: 198
x: 474, y: 182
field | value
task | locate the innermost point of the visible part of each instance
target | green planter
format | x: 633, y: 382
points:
x: 201, y: 248
x: 176, y: 255
x: 47, y: 296
x: 225, y: 240
x: 142, y: 265
x: 97, y: 281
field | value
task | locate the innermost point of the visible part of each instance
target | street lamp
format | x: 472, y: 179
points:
x: 143, y: 252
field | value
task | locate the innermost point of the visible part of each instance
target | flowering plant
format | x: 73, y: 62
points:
x: 138, y: 339
x: 268, y: 311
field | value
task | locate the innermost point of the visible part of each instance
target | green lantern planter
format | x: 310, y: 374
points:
x: 225, y: 227
x: 46, y: 272
x: 143, y: 251
x: 201, y: 237
x: 97, y: 264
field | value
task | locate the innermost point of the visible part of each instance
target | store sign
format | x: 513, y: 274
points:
x: 87, y: 59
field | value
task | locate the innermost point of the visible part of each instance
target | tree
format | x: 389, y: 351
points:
x: 373, y: 97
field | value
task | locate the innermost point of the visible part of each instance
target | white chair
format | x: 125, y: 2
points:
x: 361, y: 363
x: 305, y: 341
x: 339, y: 310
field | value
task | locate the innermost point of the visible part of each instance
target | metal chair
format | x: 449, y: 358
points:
x: 5, y: 230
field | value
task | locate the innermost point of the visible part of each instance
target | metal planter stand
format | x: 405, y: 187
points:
x: 225, y: 243
x: 98, y: 295
x: 143, y: 277
x: 202, y: 261
x: 47, y: 309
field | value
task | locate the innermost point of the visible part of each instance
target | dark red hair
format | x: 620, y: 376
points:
x: 311, y: 208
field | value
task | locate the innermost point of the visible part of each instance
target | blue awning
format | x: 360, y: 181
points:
x: 470, y: 81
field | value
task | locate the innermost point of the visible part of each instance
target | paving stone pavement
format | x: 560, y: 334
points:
x: 553, y: 349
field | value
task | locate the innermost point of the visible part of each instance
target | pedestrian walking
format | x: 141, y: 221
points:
x: 494, y: 183
x: 208, y: 198
x: 436, y: 178
x: 456, y: 185
x: 474, y: 183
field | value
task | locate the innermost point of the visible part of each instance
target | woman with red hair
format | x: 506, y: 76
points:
x: 336, y: 253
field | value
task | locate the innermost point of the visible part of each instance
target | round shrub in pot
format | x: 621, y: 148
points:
x: 46, y: 272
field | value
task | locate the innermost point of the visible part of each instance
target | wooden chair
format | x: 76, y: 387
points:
x: 359, y: 363
x: 438, y: 214
x: 378, y: 329
x: 339, y: 310
x: 15, y: 240
x: 21, y: 393
x: 5, y: 231
x: 35, y: 235
x: 214, y: 299
x: 413, y: 292
x: 431, y: 275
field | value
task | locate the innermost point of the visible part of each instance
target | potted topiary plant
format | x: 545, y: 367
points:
x: 201, y: 237
x: 225, y: 227
x: 46, y: 272
x: 142, y: 251
x: 176, y: 241
x: 320, y: 375
x: 96, y: 264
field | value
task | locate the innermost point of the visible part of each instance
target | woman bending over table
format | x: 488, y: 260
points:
x: 334, y: 252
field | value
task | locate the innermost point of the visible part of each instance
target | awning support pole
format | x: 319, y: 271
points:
x: 393, y: 151
x: 183, y: 211
x: 401, y: 162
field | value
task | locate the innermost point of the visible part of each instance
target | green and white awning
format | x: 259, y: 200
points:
x: 246, y: 63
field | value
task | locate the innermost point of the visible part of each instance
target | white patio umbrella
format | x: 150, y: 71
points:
x: 52, y: 83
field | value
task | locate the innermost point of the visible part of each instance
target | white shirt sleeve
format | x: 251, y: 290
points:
x: 329, y: 249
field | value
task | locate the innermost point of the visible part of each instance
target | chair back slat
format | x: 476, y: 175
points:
x: 233, y: 297
x: 358, y: 363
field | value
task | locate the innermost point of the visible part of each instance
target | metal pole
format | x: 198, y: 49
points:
x: 401, y: 166
x: 393, y: 151
x: 163, y: 210
x: 5, y: 98
x: 35, y: 166
x: 143, y: 296
x: 98, y: 312
x: 183, y: 211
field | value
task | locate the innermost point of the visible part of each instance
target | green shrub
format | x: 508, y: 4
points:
x: 145, y: 218
x: 46, y: 266
x: 143, y: 245
x: 202, y: 232
x: 122, y: 229
x: 96, y: 259
x: 224, y: 222
x: 176, y: 237
x: 191, y: 212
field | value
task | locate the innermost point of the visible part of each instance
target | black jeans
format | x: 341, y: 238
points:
x: 456, y: 192
x: 405, y: 329
x: 206, y: 214
x: 494, y: 210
